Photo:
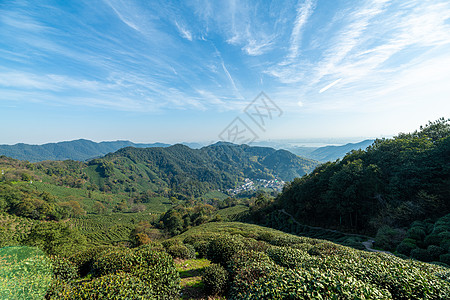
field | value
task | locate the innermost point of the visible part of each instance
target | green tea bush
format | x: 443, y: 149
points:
x: 181, y: 251
x: 158, y: 270
x: 84, y: 259
x: 445, y: 258
x: 111, y: 261
x: 244, y: 258
x: 222, y: 248
x: 287, y: 257
x: 215, y: 279
x: 406, y: 246
x: 421, y: 254
x: 325, y: 249
x: 310, y: 284
x: 112, y: 286
x: 434, y: 252
x: 63, y: 268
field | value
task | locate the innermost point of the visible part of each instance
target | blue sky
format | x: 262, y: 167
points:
x: 174, y: 71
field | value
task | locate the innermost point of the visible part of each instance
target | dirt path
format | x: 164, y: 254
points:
x: 367, y: 244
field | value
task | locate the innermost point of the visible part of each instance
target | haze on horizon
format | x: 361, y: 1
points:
x: 169, y: 71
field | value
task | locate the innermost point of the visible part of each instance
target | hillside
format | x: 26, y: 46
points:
x: 381, y: 190
x: 187, y: 171
x: 75, y: 150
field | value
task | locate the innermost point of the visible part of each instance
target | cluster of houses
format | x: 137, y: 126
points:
x: 254, y: 185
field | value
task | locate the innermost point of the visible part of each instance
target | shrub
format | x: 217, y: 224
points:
x: 215, y: 278
x: 325, y: 249
x: 445, y: 244
x: 406, y: 247
x: 388, y: 238
x: 247, y: 257
x: 433, y: 239
x: 202, y: 248
x: 63, y: 268
x: 421, y: 254
x: 445, y: 258
x: 181, y: 251
x: 111, y: 261
x: 158, y: 270
x: 84, y: 259
x: 287, y: 257
x: 435, y: 252
x: 416, y: 233
x: 112, y: 286
x: 222, y: 248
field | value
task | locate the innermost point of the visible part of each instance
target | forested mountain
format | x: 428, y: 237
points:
x: 76, y: 150
x: 394, y: 182
x: 189, y: 171
x: 175, y: 170
x: 329, y: 153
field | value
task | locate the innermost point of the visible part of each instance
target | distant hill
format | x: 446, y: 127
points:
x: 329, y: 153
x: 180, y: 169
x: 76, y: 150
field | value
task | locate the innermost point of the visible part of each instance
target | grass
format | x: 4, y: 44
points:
x: 191, y: 271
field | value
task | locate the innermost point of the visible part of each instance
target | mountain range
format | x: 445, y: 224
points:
x: 83, y: 150
x: 329, y: 153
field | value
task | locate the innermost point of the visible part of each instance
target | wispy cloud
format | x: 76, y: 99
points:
x: 184, y: 32
x: 329, y: 86
x: 304, y: 10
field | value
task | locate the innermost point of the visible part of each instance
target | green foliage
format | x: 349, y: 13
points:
x: 215, y: 279
x: 144, y: 272
x: 304, y: 268
x: 180, y: 250
x: 112, y: 286
x: 83, y: 259
x: 113, y: 260
x: 388, y: 238
x: 56, y: 238
x: 63, y: 268
x: 406, y: 246
x: 25, y: 273
x: 222, y: 248
x: 394, y: 182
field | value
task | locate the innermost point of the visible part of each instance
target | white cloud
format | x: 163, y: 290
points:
x: 184, y: 32
x: 304, y: 10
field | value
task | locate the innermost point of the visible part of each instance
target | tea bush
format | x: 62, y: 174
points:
x: 112, y: 286
x: 222, y: 248
x: 215, y: 279
x: 63, y: 268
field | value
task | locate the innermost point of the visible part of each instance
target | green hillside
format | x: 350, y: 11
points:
x: 380, y: 191
x: 76, y: 150
x: 180, y: 169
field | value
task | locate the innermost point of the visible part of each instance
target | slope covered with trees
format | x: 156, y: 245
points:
x: 76, y: 150
x: 379, y: 191
x: 182, y: 170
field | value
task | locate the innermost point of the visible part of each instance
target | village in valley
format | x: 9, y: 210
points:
x: 257, y: 184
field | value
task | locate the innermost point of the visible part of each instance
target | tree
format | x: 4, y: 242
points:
x: 99, y: 207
